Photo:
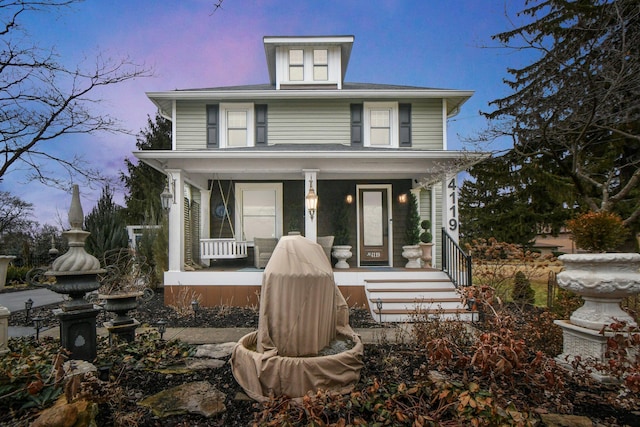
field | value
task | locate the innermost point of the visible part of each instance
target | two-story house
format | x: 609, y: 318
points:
x: 246, y: 162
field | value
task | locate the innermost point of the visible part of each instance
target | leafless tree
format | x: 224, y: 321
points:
x: 43, y: 100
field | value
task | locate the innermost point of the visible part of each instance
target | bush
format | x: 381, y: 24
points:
x: 17, y: 274
x: 522, y: 292
x: 426, y: 236
x: 597, y: 231
x: 412, y: 231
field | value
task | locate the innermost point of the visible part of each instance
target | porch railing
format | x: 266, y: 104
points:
x: 455, y: 262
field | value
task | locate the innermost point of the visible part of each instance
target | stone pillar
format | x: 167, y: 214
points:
x: 4, y: 265
x: 4, y: 329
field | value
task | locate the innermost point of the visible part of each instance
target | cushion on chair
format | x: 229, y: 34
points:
x: 262, y: 249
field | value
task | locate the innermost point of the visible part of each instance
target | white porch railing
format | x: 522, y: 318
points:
x: 222, y: 249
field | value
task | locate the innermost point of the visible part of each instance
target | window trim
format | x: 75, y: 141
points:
x: 393, y: 123
x: 224, y: 108
x: 240, y: 187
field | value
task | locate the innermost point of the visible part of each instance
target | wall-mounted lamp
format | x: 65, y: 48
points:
x: 311, y: 200
x: 349, y: 199
x: 403, y: 198
x: 168, y: 197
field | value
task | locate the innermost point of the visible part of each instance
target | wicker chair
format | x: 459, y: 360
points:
x: 262, y: 249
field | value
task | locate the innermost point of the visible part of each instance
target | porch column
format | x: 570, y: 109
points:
x: 450, y: 205
x: 176, y: 220
x: 205, y: 218
x: 310, y: 224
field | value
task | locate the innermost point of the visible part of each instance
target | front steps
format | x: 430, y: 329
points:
x: 408, y: 300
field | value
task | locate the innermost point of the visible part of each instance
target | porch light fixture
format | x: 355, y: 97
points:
x: 311, y: 200
x: 167, y: 198
x: 349, y: 199
x: 402, y: 198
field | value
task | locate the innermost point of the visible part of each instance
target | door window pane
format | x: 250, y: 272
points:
x: 372, y: 218
x: 259, y: 213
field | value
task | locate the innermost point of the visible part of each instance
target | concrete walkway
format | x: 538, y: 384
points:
x: 14, y: 301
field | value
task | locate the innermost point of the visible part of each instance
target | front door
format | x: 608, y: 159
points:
x: 373, y: 225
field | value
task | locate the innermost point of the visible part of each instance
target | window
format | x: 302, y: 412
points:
x: 296, y: 65
x: 320, y: 65
x: 258, y: 210
x: 236, y: 125
x: 381, y: 124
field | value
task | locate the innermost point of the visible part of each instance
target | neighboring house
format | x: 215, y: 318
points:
x: 245, y: 157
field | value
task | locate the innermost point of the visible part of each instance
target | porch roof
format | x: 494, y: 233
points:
x: 332, y: 163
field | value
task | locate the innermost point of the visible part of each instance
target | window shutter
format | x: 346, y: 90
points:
x: 261, y: 124
x: 356, y: 125
x: 212, y: 126
x: 404, y: 116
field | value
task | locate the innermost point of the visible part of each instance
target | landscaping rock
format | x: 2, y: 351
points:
x: 196, y: 398
x: 80, y: 413
x: 560, y: 420
x: 215, y: 351
x: 194, y: 364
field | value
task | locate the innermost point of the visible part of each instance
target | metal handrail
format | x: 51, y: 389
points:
x: 455, y: 262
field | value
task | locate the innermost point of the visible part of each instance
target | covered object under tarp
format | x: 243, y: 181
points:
x: 302, y: 313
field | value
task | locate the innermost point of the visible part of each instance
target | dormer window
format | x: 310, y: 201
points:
x: 320, y: 65
x: 303, y: 63
x: 296, y: 65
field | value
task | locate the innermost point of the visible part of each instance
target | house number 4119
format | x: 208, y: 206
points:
x: 453, y: 211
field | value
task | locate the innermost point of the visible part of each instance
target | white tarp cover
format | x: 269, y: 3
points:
x: 301, y: 312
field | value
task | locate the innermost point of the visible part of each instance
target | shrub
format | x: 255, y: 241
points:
x: 412, y: 231
x: 17, y: 274
x: 597, y: 231
x: 522, y: 292
x: 426, y: 236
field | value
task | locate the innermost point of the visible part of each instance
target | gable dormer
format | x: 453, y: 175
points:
x: 313, y: 62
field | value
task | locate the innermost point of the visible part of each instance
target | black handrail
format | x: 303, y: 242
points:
x: 455, y: 262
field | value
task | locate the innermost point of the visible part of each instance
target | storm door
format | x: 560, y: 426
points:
x: 373, y: 225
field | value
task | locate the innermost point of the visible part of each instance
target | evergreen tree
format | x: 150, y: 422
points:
x: 144, y: 183
x: 509, y: 202
x: 107, y: 226
x: 574, y: 115
x: 412, y: 232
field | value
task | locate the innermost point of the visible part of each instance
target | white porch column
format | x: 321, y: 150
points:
x: 310, y: 225
x: 450, y: 206
x: 176, y: 220
x: 205, y: 218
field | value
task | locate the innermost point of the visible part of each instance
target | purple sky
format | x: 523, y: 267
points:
x: 431, y: 43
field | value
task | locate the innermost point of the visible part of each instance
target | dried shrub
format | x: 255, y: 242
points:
x: 522, y: 292
x: 597, y: 231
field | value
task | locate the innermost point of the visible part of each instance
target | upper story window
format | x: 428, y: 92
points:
x: 236, y: 125
x: 320, y: 65
x: 380, y: 124
x: 296, y: 65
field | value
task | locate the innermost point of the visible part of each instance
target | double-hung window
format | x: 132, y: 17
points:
x: 236, y: 125
x: 296, y: 65
x: 381, y: 124
x: 320, y: 65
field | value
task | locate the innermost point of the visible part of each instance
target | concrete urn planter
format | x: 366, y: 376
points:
x: 602, y: 280
x: 427, y: 254
x: 413, y: 254
x: 342, y: 253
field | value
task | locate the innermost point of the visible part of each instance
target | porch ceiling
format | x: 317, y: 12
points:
x: 269, y: 165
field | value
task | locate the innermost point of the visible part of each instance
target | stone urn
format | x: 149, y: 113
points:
x: 413, y: 254
x: 120, y: 305
x: 602, y: 280
x: 342, y: 253
x: 427, y: 254
x: 4, y: 265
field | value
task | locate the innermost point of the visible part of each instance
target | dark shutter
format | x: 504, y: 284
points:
x: 212, y: 126
x: 356, y: 125
x: 261, y: 124
x: 404, y: 115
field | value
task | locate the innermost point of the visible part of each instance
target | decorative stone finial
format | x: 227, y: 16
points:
x: 76, y: 216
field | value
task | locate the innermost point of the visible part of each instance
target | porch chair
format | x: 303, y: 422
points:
x: 326, y: 242
x: 262, y: 249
